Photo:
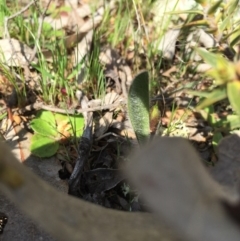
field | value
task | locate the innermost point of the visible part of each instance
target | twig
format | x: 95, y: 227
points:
x: 84, y: 148
x: 110, y: 134
x: 137, y: 15
x: 39, y: 30
x: 75, y: 179
x: 6, y: 19
x: 38, y: 106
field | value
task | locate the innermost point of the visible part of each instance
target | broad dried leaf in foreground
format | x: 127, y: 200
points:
x: 175, y: 184
x: 69, y: 218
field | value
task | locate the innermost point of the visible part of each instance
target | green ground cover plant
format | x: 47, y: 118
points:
x: 50, y: 130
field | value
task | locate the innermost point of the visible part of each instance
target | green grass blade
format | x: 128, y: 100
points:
x: 213, y: 9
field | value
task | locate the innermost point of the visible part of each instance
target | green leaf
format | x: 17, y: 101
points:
x: 196, y: 23
x: 225, y: 23
x: 77, y: 123
x: 210, y: 58
x: 2, y: 116
x: 217, y: 136
x: 60, y: 117
x: 234, y: 37
x: 76, y: 70
x: 233, y: 122
x: 230, y: 122
x: 209, y: 114
x: 43, y: 127
x: 48, y: 116
x: 212, y: 97
x: 155, y: 112
x: 192, y: 11
x: 138, y: 106
x: 202, y: 2
x: 49, y: 128
x: 203, y: 94
x: 47, y: 27
x: 231, y: 7
x: 213, y: 9
x: 43, y: 146
x: 223, y: 70
x: 233, y: 91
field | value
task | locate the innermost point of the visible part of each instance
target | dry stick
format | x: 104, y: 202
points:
x: 84, y: 149
x: 39, y: 30
x: 38, y: 106
x: 41, y: 106
x: 110, y: 134
x: 6, y: 33
x: 69, y: 218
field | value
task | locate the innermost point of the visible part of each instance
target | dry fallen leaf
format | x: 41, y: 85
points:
x: 111, y: 98
x: 103, y: 124
x: 15, y: 53
x: 167, y: 44
x: 116, y: 70
x: 81, y: 51
x: 17, y: 119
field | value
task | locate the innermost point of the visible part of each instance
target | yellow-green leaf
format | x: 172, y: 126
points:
x: 213, y: 97
x: 209, y: 58
x: 199, y: 93
x: 223, y: 70
x: 155, y: 112
x: 230, y: 122
x: 233, y: 92
x: 213, y: 9
x: 235, y: 36
x: 43, y: 146
x: 202, y: 2
x: 217, y: 136
x: 43, y: 128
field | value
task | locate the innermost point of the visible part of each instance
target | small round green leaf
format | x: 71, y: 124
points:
x: 43, y: 146
x: 43, y: 127
x: 48, y: 116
